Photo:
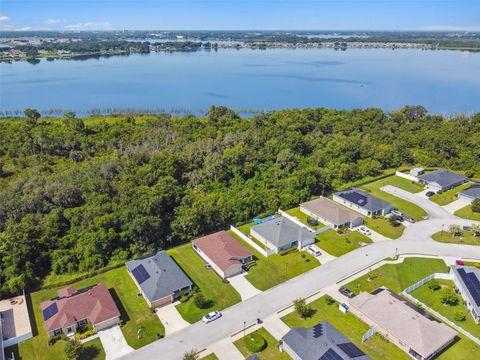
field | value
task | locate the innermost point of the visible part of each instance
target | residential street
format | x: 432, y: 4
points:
x: 415, y: 240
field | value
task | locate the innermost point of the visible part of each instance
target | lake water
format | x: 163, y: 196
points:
x: 442, y: 81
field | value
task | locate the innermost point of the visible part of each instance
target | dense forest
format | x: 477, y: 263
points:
x: 79, y: 194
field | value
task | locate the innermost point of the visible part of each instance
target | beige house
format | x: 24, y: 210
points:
x: 402, y: 323
x: 330, y: 213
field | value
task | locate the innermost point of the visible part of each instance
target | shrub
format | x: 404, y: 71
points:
x: 393, y: 220
x: 476, y: 206
x: 460, y: 315
x: 85, y: 334
x: 201, y: 301
x: 302, y: 309
x: 191, y: 355
x: 329, y: 300
x: 449, y: 297
x: 434, y: 285
x: 255, y: 342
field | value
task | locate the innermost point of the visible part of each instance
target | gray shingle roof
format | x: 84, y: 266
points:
x: 165, y: 275
x: 444, y: 178
x: 472, y: 192
x: 282, y: 231
x: 363, y: 199
x: 312, y: 343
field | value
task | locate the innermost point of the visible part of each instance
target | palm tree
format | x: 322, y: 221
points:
x: 191, y: 355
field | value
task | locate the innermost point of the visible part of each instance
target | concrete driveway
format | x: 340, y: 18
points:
x: 377, y: 237
x: 114, y: 343
x: 243, y: 286
x: 171, y: 318
x: 456, y: 205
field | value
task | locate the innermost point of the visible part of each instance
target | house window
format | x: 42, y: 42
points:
x: 82, y: 322
x: 57, y: 332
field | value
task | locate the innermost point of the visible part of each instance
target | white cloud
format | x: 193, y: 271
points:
x: 53, y: 21
x: 3, y: 18
x: 450, y: 28
x: 89, y: 26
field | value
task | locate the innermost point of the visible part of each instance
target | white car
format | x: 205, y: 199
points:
x: 364, y: 230
x: 211, y: 316
x: 315, y: 251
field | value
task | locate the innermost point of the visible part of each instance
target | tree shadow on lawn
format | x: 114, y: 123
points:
x: 123, y: 313
x: 89, y: 352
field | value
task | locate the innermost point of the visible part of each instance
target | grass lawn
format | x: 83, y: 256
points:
x: 467, y: 213
x: 223, y: 295
x: 275, y: 269
x: 245, y: 229
x: 464, y: 348
x: 397, y: 277
x: 212, y: 356
x: 271, y: 352
x: 448, y: 196
x: 376, y: 347
x: 383, y: 226
x: 135, y: 313
x: 337, y: 245
x: 401, y: 183
x: 93, y: 349
x: 303, y: 218
x: 404, y: 206
x: 466, y: 239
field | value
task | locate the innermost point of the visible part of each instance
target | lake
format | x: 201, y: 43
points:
x: 445, y: 82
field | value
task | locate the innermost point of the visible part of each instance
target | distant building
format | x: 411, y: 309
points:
x: 331, y: 213
x: 14, y: 322
x: 362, y: 202
x: 442, y: 180
x: 467, y: 280
x: 402, y: 323
x: 320, y: 342
x: 470, y: 194
x: 223, y: 253
x: 281, y: 234
x: 159, y: 278
x: 417, y: 171
x: 72, y: 309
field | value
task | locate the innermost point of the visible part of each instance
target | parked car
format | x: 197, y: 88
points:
x: 312, y: 222
x: 314, y: 250
x: 429, y: 193
x: 211, y: 316
x: 346, y: 292
x: 364, y: 230
x: 459, y: 262
x: 396, y: 212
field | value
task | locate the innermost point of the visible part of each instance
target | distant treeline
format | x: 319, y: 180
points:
x: 77, y: 194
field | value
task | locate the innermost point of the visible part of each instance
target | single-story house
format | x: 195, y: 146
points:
x: 223, y: 253
x: 331, y: 213
x: 417, y: 171
x: 470, y: 194
x: 441, y: 180
x: 281, y: 234
x: 159, y: 278
x: 321, y: 341
x: 363, y: 202
x: 72, y: 309
x: 14, y: 321
x: 467, y: 281
x: 402, y: 323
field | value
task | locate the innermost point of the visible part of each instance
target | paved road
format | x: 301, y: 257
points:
x: 415, y: 240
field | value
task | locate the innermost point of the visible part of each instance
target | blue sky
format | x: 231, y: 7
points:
x: 240, y: 14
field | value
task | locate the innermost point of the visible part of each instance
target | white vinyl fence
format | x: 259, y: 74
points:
x: 298, y: 222
x: 407, y: 176
x: 252, y: 243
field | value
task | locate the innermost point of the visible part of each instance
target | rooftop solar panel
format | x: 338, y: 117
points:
x: 50, y: 311
x: 140, y: 274
x: 351, y: 350
x: 355, y: 198
x: 330, y: 354
x: 472, y: 284
x: 317, y: 330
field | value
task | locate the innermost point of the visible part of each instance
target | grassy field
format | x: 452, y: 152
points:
x: 467, y: 213
x: 397, y: 277
x: 271, y: 352
x: 210, y: 357
x: 466, y: 239
x: 404, y: 206
x: 303, y: 218
x: 448, y: 196
x: 353, y: 328
x: 135, y: 313
x: 223, y: 295
x: 275, y: 269
x: 383, y: 226
x: 337, y: 245
x: 401, y: 183
x: 464, y: 348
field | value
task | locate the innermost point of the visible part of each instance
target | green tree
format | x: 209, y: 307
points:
x: 448, y: 297
x: 300, y: 306
x: 191, y: 355
x: 393, y: 220
x: 475, y: 230
x: 201, y: 301
x: 455, y: 230
x: 33, y: 115
x: 476, y: 205
x: 73, y: 349
x: 434, y: 285
x: 460, y: 315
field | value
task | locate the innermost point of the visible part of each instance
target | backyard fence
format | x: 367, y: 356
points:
x: 406, y: 176
x: 298, y: 222
x: 426, y: 280
x: 252, y: 243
